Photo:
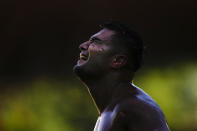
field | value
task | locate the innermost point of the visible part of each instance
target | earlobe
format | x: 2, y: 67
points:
x: 119, y: 61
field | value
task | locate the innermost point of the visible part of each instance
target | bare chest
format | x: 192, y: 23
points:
x: 106, y: 121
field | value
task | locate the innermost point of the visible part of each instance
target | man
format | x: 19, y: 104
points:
x: 107, y: 64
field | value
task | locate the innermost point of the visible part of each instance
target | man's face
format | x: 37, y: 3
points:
x: 95, y: 54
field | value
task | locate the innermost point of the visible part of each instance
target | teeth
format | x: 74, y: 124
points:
x: 83, y: 57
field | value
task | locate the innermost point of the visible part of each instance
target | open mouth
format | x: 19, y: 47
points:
x: 83, y: 56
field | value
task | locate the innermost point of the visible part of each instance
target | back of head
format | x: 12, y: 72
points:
x: 128, y: 40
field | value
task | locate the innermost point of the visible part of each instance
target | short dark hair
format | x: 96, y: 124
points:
x: 130, y: 40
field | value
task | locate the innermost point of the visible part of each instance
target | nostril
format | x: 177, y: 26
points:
x: 83, y: 46
x: 80, y: 47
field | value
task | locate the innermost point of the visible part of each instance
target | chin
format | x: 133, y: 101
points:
x: 79, y: 71
x: 87, y: 70
x: 76, y: 69
x: 79, y: 66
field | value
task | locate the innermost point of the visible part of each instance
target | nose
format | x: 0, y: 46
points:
x: 84, y: 46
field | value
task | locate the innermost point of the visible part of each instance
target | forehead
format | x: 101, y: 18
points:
x: 104, y: 34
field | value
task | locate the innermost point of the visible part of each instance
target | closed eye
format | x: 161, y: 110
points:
x: 96, y: 40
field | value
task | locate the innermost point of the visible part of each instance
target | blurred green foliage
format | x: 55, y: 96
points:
x: 175, y: 90
x: 48, y: 105
x: 45, y: 104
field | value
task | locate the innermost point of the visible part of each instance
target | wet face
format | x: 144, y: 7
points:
x: 95, y: 55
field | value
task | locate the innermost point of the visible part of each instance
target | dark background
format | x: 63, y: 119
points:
x: 39, y: 42
x: 42, y: 37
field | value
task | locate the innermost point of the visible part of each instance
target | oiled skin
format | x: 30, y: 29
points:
x: 135, y: 111
x: 121, y: 105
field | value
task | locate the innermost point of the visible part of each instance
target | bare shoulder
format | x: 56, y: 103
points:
x: 140, y: 102
x: 141, y: 112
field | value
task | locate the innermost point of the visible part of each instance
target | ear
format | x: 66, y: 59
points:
x: 119, y: 61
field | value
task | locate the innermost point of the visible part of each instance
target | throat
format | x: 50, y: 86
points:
x: 106, y: 90
x: 107, y: 96
x: 101, y: 97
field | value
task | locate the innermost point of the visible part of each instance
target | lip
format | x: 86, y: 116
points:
x: 83, y: 56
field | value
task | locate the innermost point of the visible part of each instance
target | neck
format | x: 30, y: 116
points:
x: 103, y: 89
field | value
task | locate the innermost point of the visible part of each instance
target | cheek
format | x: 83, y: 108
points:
x: 93, y: 49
